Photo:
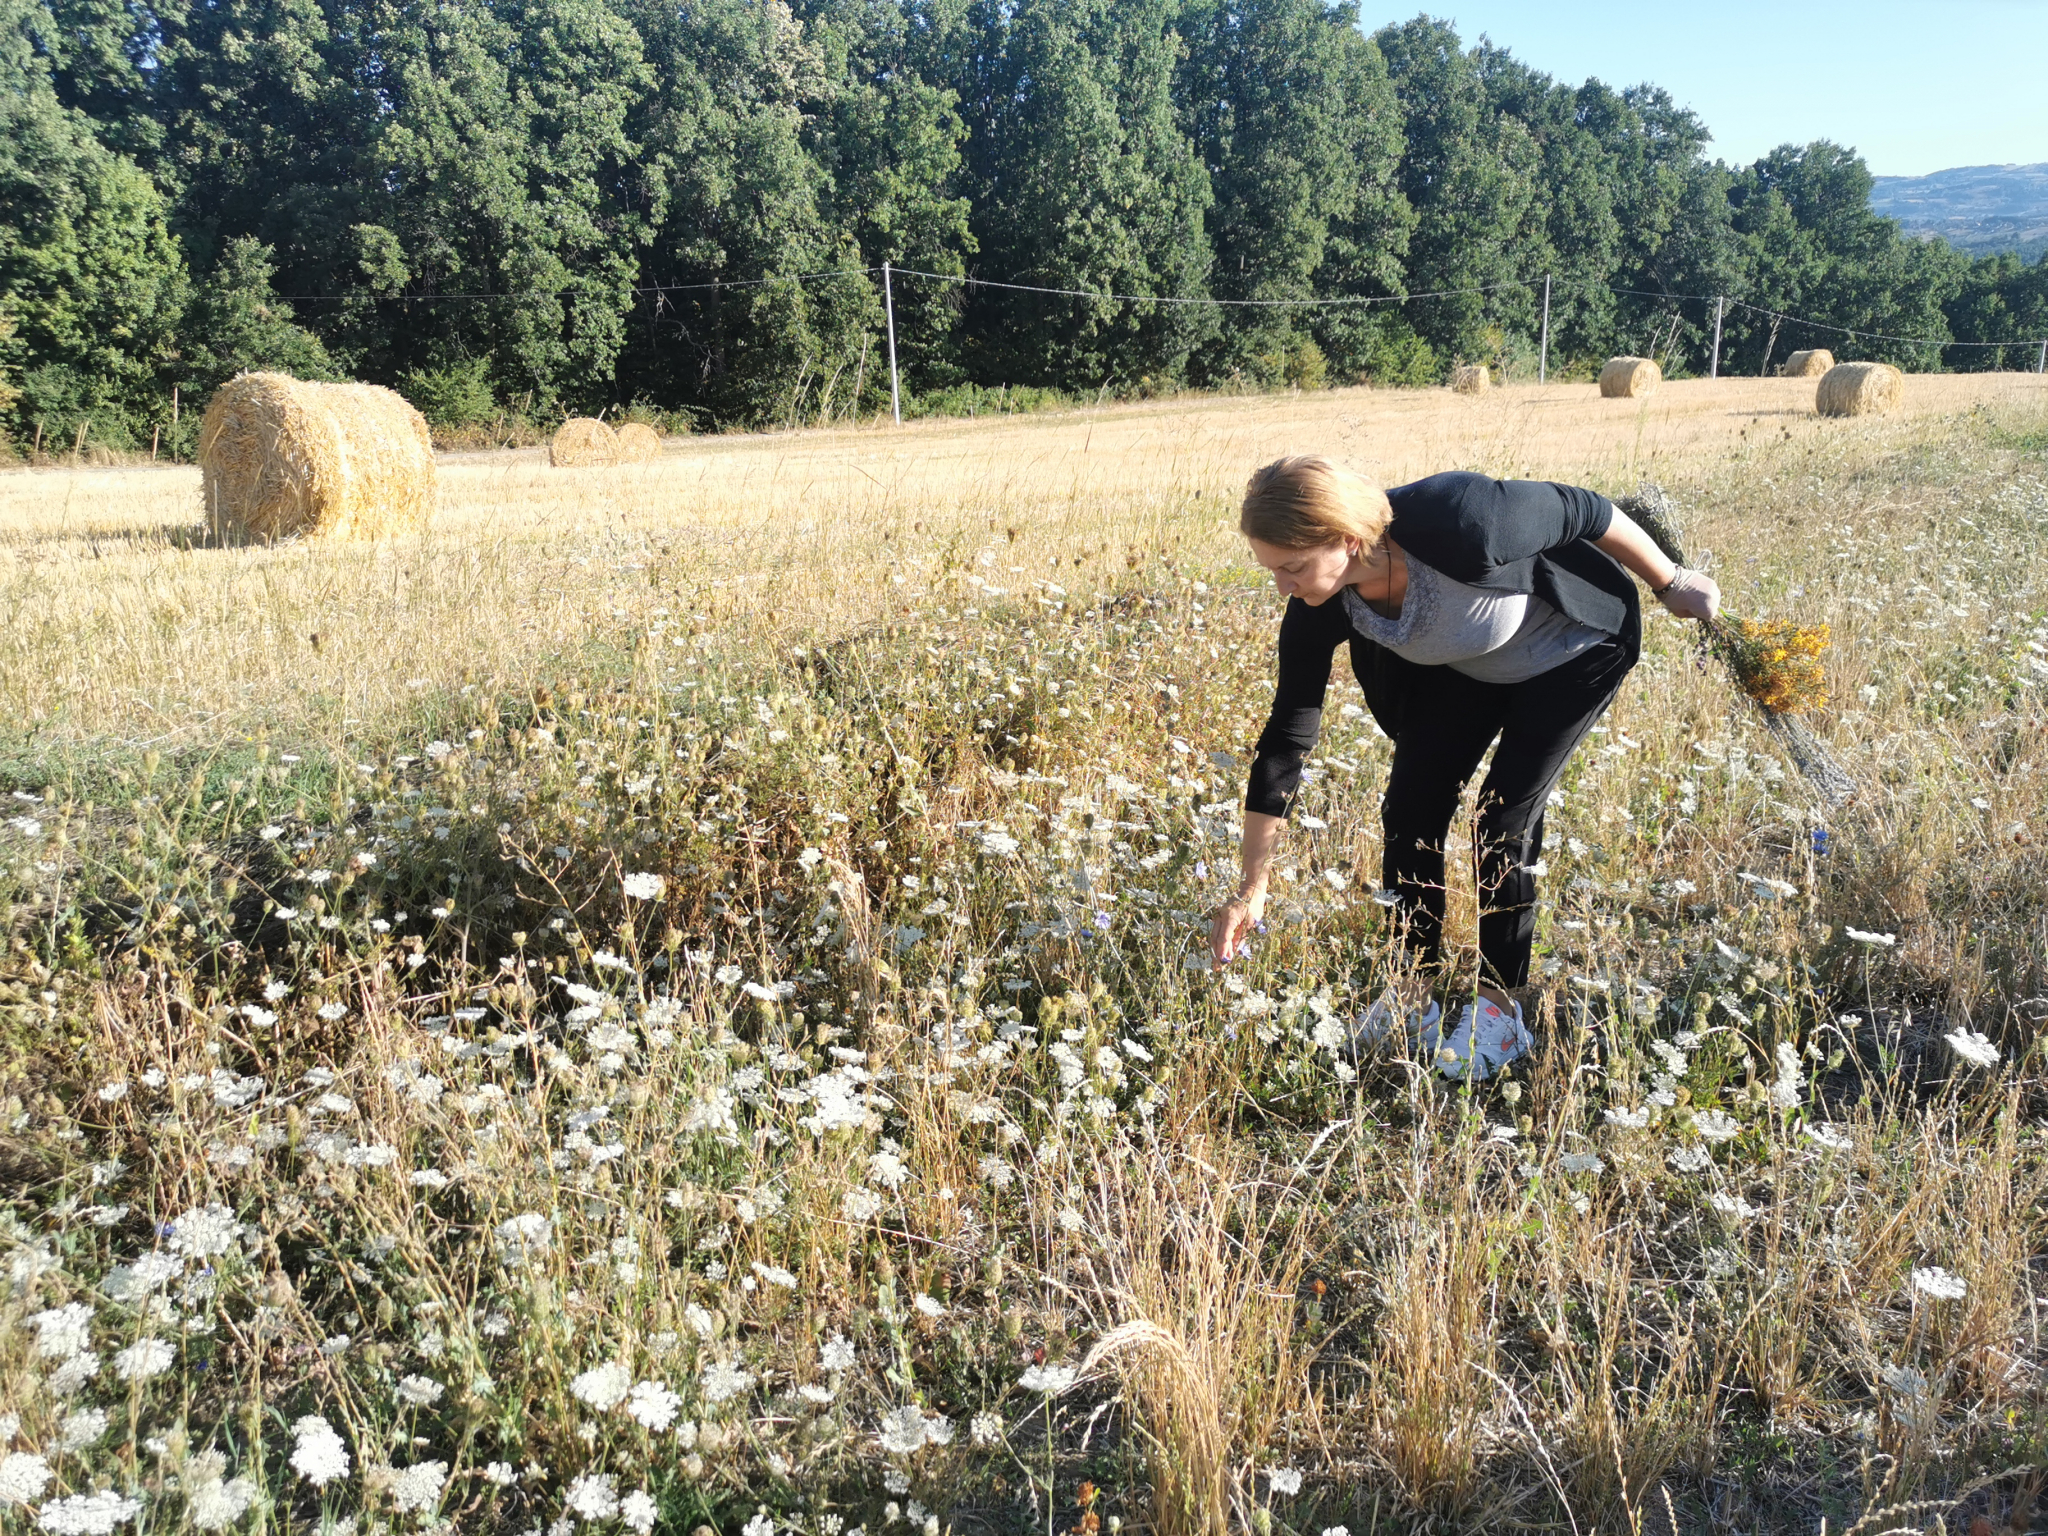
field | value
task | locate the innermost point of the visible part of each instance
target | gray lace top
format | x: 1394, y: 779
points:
x: 1496, y: 637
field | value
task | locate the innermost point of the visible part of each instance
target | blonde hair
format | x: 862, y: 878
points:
x: 1306, y: 502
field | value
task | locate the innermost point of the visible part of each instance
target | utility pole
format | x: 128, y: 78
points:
x: 889, y: 306
x: 1714, y: 368
x: 1543, y: 356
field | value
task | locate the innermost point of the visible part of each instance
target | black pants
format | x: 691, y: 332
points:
x: 1445, y: 727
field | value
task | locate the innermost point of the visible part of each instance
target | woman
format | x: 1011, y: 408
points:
x: 1474, y: 609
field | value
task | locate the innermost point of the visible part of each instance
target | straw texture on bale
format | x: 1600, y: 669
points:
x: 1859, y: 389
x: 1626, y: 378
x: 1810, y: 364
x: 637, y: 443
x: 582, y: 440
x: 280, y: 458
x: 1472, y: 379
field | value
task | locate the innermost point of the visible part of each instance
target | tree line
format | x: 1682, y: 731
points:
x: 539, y: 206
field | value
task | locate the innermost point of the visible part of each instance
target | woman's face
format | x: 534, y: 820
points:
x: 1313, y: 575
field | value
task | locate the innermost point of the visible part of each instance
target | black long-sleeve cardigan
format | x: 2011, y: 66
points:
x: 1526, y: 536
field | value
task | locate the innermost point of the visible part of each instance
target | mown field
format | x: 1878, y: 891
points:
x: 677, y: 1001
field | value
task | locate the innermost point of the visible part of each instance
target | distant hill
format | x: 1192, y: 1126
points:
x: 1977, y: 208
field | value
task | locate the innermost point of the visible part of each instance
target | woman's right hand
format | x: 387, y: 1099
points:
x: 1230, y: 930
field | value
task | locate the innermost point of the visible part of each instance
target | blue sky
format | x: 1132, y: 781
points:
x: 1914, y: 87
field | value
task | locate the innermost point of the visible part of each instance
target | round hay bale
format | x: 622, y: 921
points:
x: 1471, y: 379
x: 1810, y: 364
x: 637, y: 443
x: 1859, y: 389
x: 582, y: 440
x: 280, y: 458
x: 1629, y: 378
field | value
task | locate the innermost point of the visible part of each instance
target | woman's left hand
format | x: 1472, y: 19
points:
x: 1692, y: 595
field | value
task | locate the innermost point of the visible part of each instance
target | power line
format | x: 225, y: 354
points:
x: 556, y: 293
x: 1331, y: 302
x: 1156, y: 298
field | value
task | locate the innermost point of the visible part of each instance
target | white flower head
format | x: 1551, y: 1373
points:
x: 1832, y: 1140
x: 87, y: 1514
x: 62, y: 1332
x: 653, y: 1406
x: 723, y: 1380
x: 318, y: 1454
x: 1940, y: 1284
x: 836, y: 1355
x: 1285, y: 1481
x: 1716, y: 1125
x: 213, y: 1505
x: 205, y: 1231
x: 1049, y: 1379
x: 604, y: 1387
x: 907, y: 1429
x: 638, y: 1511
x: 1974, y: 1048
x: 1874, y: 940
x: 23, y: 1476
x: 419, y: 1487
x: 644, y: 887
x: 593, y: 1496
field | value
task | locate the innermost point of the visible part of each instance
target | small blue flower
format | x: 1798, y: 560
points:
x: 1820, y: 842
x: 1201, y: 869
x: 1102, y: 920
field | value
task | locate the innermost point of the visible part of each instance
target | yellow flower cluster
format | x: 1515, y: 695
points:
x: 1777, y: 662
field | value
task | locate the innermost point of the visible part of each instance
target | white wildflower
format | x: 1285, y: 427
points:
x: 62, y: 1332
x: 87, y: 1514
x: 318, y: 1454
x: 644, y: 887
x: 653, y: 1406
x: 213, y: 1505
x: 906, y: 1430
x: 1285, y: 1481
x: 419, y: 1391
x: 1940, y: 1284
x: 205, y: 1231
x: 1049, y: 1379
x: 81, y: 1429
x: 1830, y: 1138
x: 1875, y: 940
x: 858, y: 1204
x: 724, y: 1379
x: 638, y: 1511
x: 1974, y: 1048
x: 604, y: 1387
x: 986, y: 1429
x: 1628, y: 1119
x: 836, y: 1354
x: 1716, y: 1125
x: 23, y: 1476
x: 593, y: 1496
x: 419, y: 1487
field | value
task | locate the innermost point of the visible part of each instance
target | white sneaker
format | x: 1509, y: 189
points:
x: 1485, y: 1040
x: 1376, y: 1025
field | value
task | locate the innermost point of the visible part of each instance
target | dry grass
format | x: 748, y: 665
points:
x: 983, y: 1113
x: 105, y: 585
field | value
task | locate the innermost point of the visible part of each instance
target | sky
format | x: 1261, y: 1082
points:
x: 1913, y: 87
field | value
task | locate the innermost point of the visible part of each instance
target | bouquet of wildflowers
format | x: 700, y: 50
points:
x: 1775, y: 662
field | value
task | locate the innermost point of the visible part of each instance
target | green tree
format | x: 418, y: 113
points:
x: 1296, y: 123
x: 1084, y: 180
x: 1471, y: 175
x: 90, y: 275
x: 236, y: 323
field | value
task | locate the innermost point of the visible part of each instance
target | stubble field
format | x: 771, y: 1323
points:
x: 677, y: 1000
